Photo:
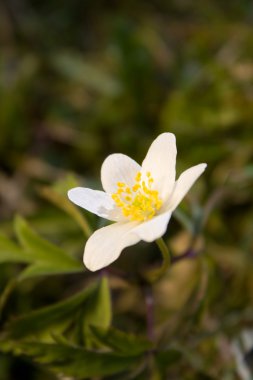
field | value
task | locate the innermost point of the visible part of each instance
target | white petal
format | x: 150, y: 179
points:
x: 95, y: 201
x: 118, y: 168
x: 161, y: 162
x: 184, y: 183
x: 154, y: 228
x: 107, y: 243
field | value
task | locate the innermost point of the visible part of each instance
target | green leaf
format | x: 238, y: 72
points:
x: 120, y: 341
x: 99, y: 309
x: 48, y: 317
x: 76, y: 361
x: 36, y: 270
x: 99, y: 312
x: 6, y: 292
x: 10, y: 252
x: 47, y: 258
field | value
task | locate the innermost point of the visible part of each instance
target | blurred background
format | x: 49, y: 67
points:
x: 82, y: 79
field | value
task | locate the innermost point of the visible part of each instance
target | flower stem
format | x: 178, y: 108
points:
x: 167, y: 259
x: 155, y: 274
x: 165, y: 252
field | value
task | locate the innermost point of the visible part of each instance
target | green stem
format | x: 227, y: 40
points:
x: 165, y: 254
x: 164, y: 250
x: 158, y: 273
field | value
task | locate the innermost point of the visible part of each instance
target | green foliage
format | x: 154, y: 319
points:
x: 91, y: 308
x: 47, y: 258
x: 78, y: 362
x: 99, y: 310
x: 47, y: 318
x: 11, y: 252
x: 122, y: 342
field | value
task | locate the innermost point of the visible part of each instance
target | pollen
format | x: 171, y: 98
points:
x: 139, y: 202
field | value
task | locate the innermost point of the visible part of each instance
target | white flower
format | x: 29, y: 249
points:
x: 140, y: 199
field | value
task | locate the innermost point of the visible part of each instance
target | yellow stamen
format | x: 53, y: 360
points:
x: 140, y: 202
x: 138, y: 177
x: 136, y: 187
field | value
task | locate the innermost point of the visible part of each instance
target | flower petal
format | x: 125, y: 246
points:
x: 184, y: 183
x: 107, y: 243
x: 153, y: 228
x: 95, y: 201
x: 118, y: 168
x: 160, y: 161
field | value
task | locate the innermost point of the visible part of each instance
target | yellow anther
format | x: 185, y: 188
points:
x: 136, y: 187
x: 138, y: 177
x: 140, y: 202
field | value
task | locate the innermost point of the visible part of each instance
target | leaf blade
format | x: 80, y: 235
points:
x: 47, y: 257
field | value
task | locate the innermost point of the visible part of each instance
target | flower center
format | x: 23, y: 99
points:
x: 139, y: 202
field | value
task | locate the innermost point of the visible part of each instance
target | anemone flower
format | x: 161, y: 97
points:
x: 138, y: 199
